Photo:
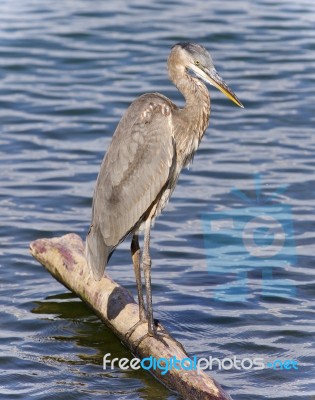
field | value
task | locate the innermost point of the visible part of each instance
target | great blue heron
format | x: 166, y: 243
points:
x: 153, y: 141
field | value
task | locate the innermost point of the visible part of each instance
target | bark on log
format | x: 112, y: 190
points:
x: 64, y: 258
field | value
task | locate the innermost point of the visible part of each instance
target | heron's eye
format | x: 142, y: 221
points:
x: 197, y: 63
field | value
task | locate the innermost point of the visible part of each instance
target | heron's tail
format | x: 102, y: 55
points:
x: 97, y: 252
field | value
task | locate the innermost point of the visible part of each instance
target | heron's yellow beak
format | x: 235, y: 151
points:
x: 215, y: 79
x: 211, y: 76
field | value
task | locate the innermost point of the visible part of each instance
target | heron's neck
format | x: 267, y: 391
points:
x: 192, y: 120
x: 195, y: 92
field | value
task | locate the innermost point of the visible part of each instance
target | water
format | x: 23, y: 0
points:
x: 68, y: 71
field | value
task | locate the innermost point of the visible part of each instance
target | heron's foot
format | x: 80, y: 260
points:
x: 155, y: 331
x: 165, y: 333
x: 159, y: 330
x: 134, y: 327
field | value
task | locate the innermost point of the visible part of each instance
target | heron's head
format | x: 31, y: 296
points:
x: 196, y: 58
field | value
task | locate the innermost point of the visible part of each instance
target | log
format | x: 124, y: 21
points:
x: 64, y: 258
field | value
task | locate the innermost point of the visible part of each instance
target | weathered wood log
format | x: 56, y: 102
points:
x: 64, y: 258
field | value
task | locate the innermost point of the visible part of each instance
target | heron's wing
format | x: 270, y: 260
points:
x: 135, y: 169
x: 97, y: 252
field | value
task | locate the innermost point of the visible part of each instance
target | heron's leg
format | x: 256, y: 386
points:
x: 146, y: 265
x: 135, y: 254
x: 153, y: 330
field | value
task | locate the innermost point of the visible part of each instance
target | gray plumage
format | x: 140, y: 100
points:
x: 152, y: 143
x: 137, y: 166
